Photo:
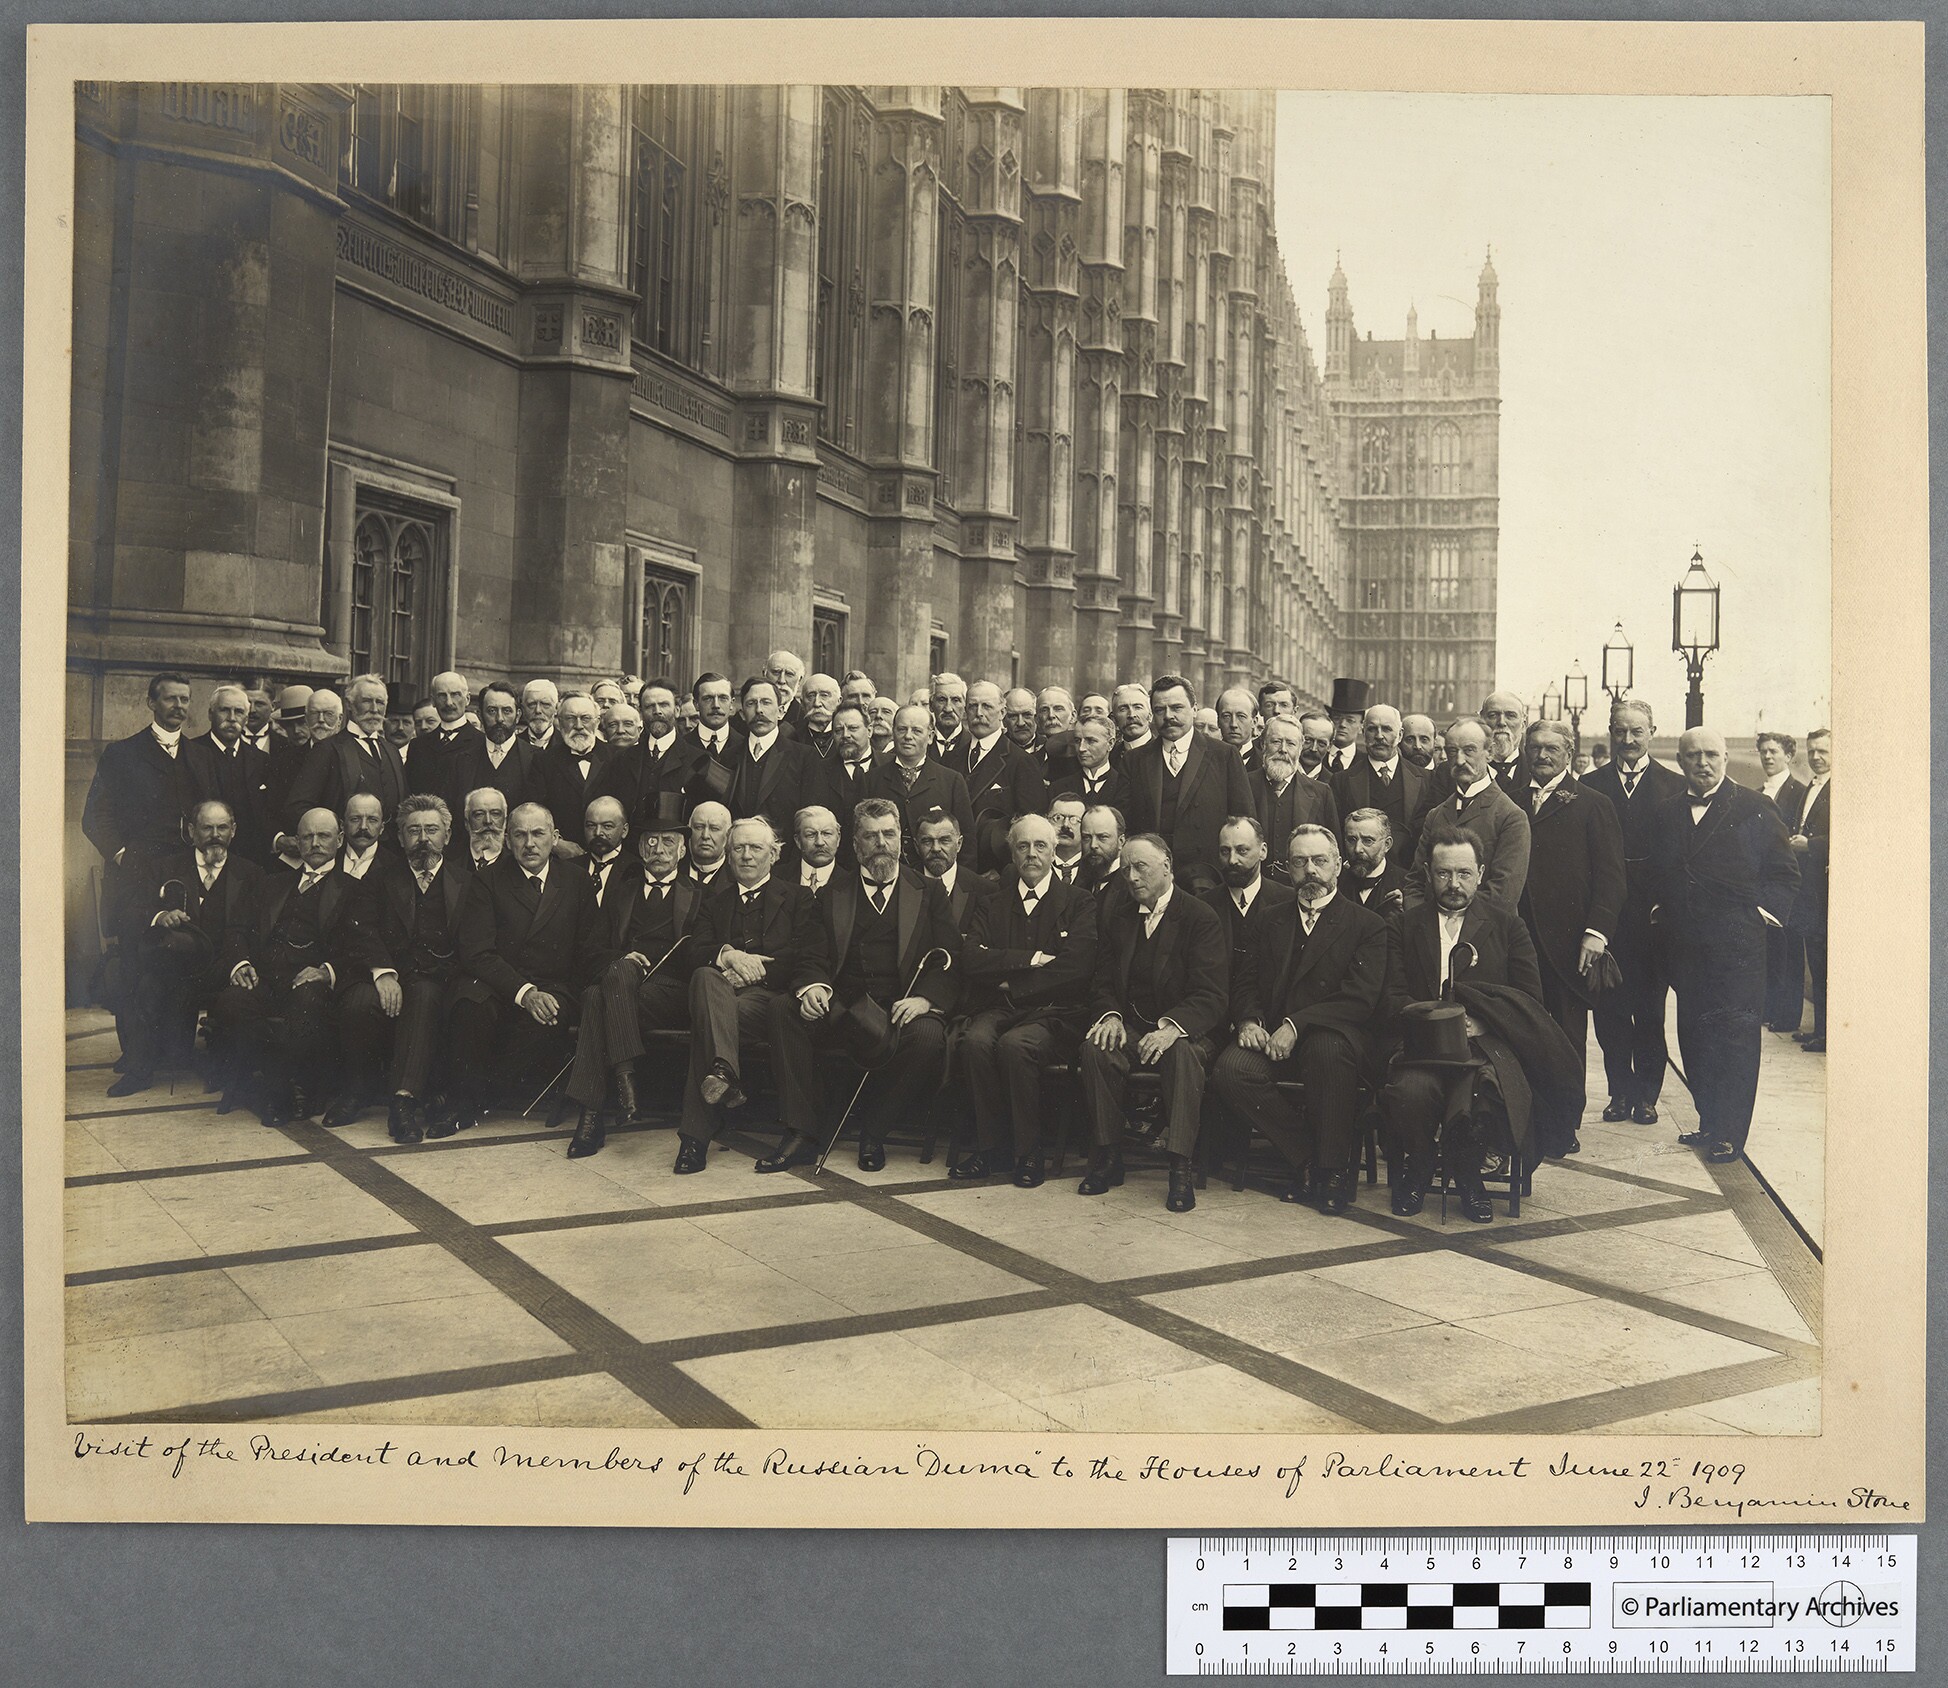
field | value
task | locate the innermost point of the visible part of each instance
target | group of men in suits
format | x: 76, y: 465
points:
x: 959, y: 892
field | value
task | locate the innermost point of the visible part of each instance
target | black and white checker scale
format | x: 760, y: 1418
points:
x: 1406, y: 1606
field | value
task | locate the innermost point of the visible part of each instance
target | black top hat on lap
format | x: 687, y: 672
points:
x: 665, y: 814
x: 1435, y: 1034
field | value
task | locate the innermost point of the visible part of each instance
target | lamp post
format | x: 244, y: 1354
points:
x: 1551, y: 702
x: 1575, y: 699
x: 1694, y: 631
x: 1619, y: 666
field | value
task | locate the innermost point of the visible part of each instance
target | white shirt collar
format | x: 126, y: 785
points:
x: 983, y: 745
x: 305, y: 873
x: 760, y: 744
x: 815, y: 877
x: 1704, y: 802
x: 753, y: 890
x: 432, y: 873
x: 357, y: 865
x: 1477, y: 788
x: 542, y: 875
x: 542, y: 742
x: 1248, y: 894
x: 167, y: 740
x: 950, y: 879
x: 1163, y: 903
x: 488, y: 860
x: 1389, y: 767
x: 497, y: 753
x: 1138, y: 743
x: 1036, y: 891
x: 660, y: 746
x: 1773, y: 783
x: 1552, y: 784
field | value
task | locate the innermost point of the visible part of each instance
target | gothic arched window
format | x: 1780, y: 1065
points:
x: 1444, y: 475
x: 1376, y: 458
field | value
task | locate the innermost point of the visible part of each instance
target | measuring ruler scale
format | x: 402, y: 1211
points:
x: 1566, y: 1604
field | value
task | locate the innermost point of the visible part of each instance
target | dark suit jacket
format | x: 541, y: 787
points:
x: 924, y: 923
x: 1576, y: 879
x: 1005, y: 783
x: 395, y: 895
x: 287, y: 756
x: 1358, y: 787
x: 935, y: 786
x: 1790, y: 801
x: 244, y: 782
x: 1656, y: 786
x: 636, y: 776
x: 790, y: 776
x: 336, y: 770
x: 790, y: 933
x: 1390, y: 879
x: 1193, y: 966
x: 1815, y: 823
x: 1336, y: 979
x: 567, y: 790
x: 437, y: 767
x: 1504, y: 955
x: 1503, y: 828
x: 1306, y: 802
x: 137, y: 798
x: 507, y: 940
x: 347, y: 926
x: 469, y: 768
x: 1252, y: 941
x: 643, y: 931
x: 1002, y: 941
x: 971, y: 892
x: 617, y: 902
x: 1211, y: 789
x: 171, y: 881
x: 1710, y: 878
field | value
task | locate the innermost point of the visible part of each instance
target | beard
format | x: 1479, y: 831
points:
x: 1314, y: 892
x: 1238, y: 875
x: 421, y: 853
x: 1280, y: 769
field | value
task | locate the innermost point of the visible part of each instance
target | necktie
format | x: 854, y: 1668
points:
x: 1066, y: 874
x: 534, y: 880
x: 209, y: 877
x: 1029, y: 898
x: 1174, y: 758
x: 662, y: 890
x: 366, y: 745
x: 1535, y: 799
x: 909, y: 775
x: 879, y: 894
x: 425, y: 882
x: 1630, y: 783
x: 449, y: 737
x: 1386, y: 777
x: 1239, y: 899
x: 307, y: 880
x: 168, y: 749
x: 747, y: 896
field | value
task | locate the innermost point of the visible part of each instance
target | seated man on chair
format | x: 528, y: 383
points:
x: 1162, y: 990
x: 531, y: 940
x: 1309, y: 1012
x: 750, y: 950
x: 882, y: 982
x: 1462, y: 947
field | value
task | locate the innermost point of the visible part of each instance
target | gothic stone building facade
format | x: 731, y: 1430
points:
x: 1419, y: 450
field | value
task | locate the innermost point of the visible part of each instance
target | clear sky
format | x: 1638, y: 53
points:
x: 1665, y: 284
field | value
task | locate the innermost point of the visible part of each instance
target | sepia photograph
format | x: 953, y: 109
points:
x: 818, y: 757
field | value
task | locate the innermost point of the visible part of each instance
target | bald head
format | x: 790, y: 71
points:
x: 1380, y: 732
x: 318, y: 837
x: 605, y: 825
x: 1031, y: 845
x: 1701, y: 754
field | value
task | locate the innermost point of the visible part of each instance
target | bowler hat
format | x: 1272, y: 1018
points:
x: 1349, y: 697
x: 1435, y: 1034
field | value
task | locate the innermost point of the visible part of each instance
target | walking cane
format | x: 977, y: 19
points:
x: 860, y: 1088
x: 665, y: 956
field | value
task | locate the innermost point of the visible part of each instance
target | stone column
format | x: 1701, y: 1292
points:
x: 1136, y: 503
x: 900, y: 289
x: 572, y: 465
x: 1098, y: 585
x: 1173, y: 290
x: 984, y: 477
x: 1049, y: 272
x: 770, y: 358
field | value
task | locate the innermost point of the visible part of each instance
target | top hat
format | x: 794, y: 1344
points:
x: 866, y: 1032
x: 1349, y: 697
x: 717, y: 779
x: 665, y: 814
x: 1435, y: 1034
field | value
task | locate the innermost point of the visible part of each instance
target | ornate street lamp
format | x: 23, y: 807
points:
x: 1575, y: 699
x: 1619, y: 666
x: 1694, y: 631
x: 1551, y: 702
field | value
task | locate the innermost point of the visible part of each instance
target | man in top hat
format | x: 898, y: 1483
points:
x: 1184, y: 786
x: 1513, y: 1059
x: 1162, y: 989
x: 417, y: 895
x: 1480, y: 806
x: 531, y: 940
x: 1283, y: 796
x: 654, y: 915
x: 1722, y: 873
x: 308, y: 942
x: 188, y: 904
x: 1630, y: 1019
x: 1028, y: 959
x: 286, y: 743
x: 881, y: 981
x: 1349, y: 699
x: 1573, y: 897
x: 1307, y: 1003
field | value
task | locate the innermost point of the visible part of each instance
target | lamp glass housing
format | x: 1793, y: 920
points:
x: 1576, y: 690
x: 1619, y: 663
x: 1694, y: 612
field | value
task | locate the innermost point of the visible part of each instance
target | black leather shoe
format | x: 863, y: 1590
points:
x: 230, y: 1101
x: 1815, y: 1045
x: 1475, y: 1204
x: 1721, y: 1154
x: 691, y: 1154
x: 405, y: 1120
x: 628, y: 1103
x: 591, y: 1132
x: 1801, y: 1037
x: 872, y: 1155
x: 275, y: 1113
x: 1618, y: 1109
x: 1407, y: 1200
x: 342, y: 1112
x: 719, y: 1087
x: 1300, y: 1189
x: 1102, y: 1176
x: 1183, y: 1191
x: 447, y: 1120
x: 1644, y: 1113
x: 1335, y: 1192
x: 1573, y: 1147
x: 133, y: 1081
x: 1029, y: 1172
x: 1696, y: 1139
x: 793, y: 1151
x: 564, y: 1109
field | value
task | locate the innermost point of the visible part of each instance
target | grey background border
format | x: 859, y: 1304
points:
x: 215, y: 1605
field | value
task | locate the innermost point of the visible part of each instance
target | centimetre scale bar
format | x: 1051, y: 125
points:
x: 1569, y: 1604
